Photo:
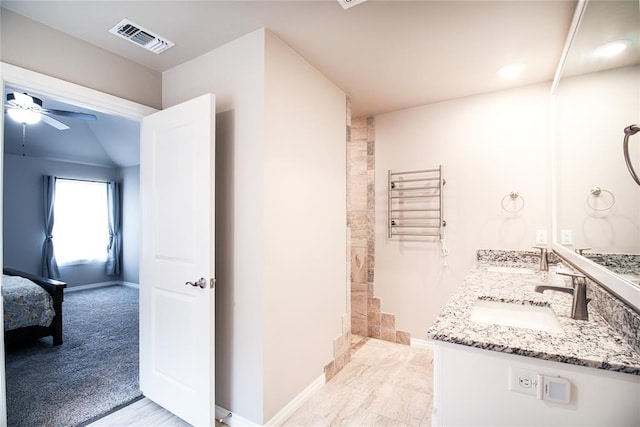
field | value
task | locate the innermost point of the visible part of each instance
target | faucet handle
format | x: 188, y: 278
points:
x: 580, y: 251
x: 544, y: 258
x: 576, y: 278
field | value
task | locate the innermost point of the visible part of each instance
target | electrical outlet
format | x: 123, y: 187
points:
x: 543, y: 386
x: 541, y: 237
x: 522, y: 380
x: 566, y: 237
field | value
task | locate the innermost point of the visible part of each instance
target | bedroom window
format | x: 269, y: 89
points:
x: 81, y: 227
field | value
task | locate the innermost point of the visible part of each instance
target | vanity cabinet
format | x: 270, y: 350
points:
x: 478, y: 359
x: 471, y: 387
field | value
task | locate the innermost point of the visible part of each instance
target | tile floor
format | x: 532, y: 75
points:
x: 385, y: 384
x: 143, y: 413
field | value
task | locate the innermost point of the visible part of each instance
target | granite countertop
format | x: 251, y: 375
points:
x: 590, y: 343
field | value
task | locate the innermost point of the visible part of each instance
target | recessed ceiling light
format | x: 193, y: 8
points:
x: 609, y: 50
x: 511, y: 71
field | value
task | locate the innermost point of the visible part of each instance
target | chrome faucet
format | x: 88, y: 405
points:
x: 578, y: 290
x: 592, y: 257
x: 544, y: 257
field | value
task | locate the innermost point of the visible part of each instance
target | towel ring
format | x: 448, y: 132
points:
x: 596, y: 192
x: 513, y: 196
x: 628, y: 131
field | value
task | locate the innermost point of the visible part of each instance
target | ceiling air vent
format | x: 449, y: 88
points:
x: 346, y: 4
x: 140, y: 36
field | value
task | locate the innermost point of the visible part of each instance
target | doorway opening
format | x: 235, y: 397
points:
x: 97, y: 363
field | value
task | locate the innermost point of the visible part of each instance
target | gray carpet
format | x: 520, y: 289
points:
x: 94, y: 371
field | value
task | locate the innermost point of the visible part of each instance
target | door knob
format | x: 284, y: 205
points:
x: 201, y: 283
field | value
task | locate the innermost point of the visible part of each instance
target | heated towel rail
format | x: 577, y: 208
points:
x: 415, y: 203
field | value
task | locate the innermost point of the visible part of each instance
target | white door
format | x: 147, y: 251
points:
x: 177, y: 259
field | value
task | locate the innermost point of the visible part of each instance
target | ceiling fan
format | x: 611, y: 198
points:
x: 27, y: 109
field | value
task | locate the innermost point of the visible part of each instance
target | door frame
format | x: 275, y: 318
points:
x: 11, y: 75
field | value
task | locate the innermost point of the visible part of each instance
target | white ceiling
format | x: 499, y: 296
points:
x: 604, y: 22
x: 387, y: 55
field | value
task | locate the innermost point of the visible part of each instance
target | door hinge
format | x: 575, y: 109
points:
x: 212, y: 283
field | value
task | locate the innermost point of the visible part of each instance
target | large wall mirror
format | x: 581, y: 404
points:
x: 596, y: 96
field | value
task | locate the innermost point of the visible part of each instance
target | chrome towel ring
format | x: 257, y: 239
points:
x: 628, y: 131
x: 513, y: 198
x: 594, y: 194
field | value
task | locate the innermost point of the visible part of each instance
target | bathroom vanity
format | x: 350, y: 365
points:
x: 505, y: 354
x: 498, y: 343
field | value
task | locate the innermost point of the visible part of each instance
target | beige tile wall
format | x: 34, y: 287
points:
x: 359, y: 194
x: 366, y: 317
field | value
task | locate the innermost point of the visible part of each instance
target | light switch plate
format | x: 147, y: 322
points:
x: 554, y: 389
x: 566, y: 237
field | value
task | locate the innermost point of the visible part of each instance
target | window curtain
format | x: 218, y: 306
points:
x: 49, y: 264
x: 115, y: 229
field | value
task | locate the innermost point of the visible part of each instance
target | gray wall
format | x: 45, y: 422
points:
x: 130, y: 178
x: 23, y: 223
x: 31, y: 45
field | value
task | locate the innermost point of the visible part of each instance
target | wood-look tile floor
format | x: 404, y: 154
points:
x: 142, y: 413
x: 385, y: 384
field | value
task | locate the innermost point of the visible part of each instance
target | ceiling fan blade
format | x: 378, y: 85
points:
x: 53, y: 122
x: 85, y: 116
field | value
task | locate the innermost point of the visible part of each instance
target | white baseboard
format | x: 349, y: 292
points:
x: 416, y: 342
x: 92, y: 286
x: 131, y: 285
x: 235, y: 420
x: 101, y: 285
x: 297, y: 402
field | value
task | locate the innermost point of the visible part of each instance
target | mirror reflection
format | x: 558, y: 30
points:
x: 598, y: 96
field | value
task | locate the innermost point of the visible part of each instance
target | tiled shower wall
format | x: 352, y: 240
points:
x: 367, y: 318
x: 361, y: 219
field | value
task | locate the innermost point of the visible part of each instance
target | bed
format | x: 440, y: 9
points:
x: 32, y: 306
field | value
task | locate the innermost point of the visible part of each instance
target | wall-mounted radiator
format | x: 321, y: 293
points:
x: 415, y: 203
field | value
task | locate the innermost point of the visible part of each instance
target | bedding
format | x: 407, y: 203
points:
x: 25, y: 303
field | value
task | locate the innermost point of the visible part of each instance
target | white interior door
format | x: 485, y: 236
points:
x: 177, y: 250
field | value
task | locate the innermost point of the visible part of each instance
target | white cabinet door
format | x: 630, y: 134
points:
x: 177, y: 250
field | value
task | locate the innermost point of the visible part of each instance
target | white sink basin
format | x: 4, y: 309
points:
x: 540, y: 318
x: 633, y: 278
x: 512, y: 270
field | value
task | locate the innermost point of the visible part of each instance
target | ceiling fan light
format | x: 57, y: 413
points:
x: 27, y: 117
x: 23, y: 100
